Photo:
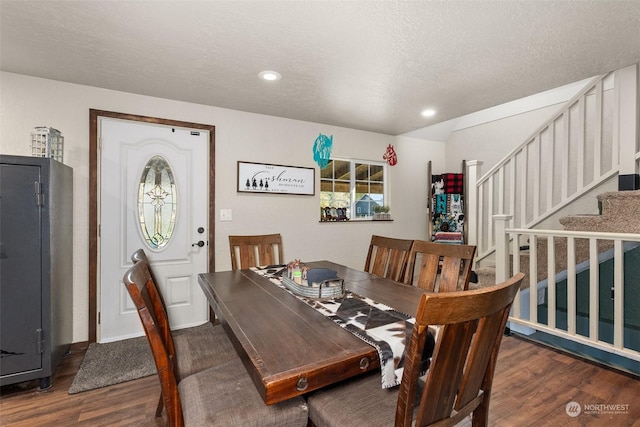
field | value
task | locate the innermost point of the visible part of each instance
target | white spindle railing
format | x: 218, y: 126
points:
x: 593, y: 138
x: 525, y: 308
x: 566, y: 157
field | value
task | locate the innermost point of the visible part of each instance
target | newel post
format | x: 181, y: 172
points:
x: 471, y: 179
x: 502, y: 247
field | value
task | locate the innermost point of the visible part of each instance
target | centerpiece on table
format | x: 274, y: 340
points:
x: 312, y: 282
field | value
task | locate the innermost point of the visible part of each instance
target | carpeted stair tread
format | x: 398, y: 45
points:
x: 619, y: 215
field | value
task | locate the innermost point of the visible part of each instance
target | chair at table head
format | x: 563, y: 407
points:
x: 157, y: 304
x: 387, y: 257
x: 254, y: 251
x: 218, y: 393
x: 192, y: 351
x: 161, y: 317
x: 439, y: 267
x: 140, y: 286
x: 460, y: 376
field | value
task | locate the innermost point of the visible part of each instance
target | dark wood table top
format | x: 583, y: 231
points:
x: 288, y: 347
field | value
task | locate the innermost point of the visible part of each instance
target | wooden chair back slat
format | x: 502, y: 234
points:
x: 387, y: 257
x: 139, y: 282
x: 449, y: 370
x: 450, y: 274
x: 397, y: 264
x: 161, y: 318
x: 380, y: 262
x: 266, y: 254
x: 158, y: 304
x: 470, y: 328
x: 253, y: 251
x: 247, y: 256
x: 428, y: 271
x: 439, y: 267
x: 479, y: 357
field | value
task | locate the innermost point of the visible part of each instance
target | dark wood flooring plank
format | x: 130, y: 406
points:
x: 532, y: 387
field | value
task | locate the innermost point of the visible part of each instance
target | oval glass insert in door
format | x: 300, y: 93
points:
x: 157, y: 202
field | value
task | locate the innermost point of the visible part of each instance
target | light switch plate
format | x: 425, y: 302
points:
x: 226, y: 215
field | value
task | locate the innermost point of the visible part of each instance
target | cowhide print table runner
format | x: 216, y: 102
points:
x: 377, y: 324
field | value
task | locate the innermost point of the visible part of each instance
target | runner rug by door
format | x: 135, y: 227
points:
x: 116, y: 362
x: 113, y: 363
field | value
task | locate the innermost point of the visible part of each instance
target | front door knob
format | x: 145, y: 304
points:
x: 200, y: 243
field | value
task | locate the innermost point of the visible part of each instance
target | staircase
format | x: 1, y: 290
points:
x: 620, y: 213
x: 584, y: 298
x: 586, y: 145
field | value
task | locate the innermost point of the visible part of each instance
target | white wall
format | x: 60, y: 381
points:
x: 27, y: 102
x: 489, y: 135
x: 489, y: 142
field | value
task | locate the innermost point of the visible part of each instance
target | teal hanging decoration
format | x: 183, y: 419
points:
x: 322, y: 150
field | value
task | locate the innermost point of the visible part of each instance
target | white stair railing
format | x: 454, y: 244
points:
x: 570, y: 154
x: 592, y: 139
x: 590, y: 331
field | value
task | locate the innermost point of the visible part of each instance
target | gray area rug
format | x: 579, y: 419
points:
x: 113, y: 363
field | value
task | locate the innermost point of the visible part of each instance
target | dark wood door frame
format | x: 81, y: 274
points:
x: 94, y: 192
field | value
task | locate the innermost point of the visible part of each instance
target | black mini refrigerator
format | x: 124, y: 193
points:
x: 36, y: 267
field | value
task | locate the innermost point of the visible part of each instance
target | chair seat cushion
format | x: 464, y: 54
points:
x: 356, y: 402
x: 201, y: 348
x: 225, y: 395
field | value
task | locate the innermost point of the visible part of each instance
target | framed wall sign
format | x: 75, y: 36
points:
x: 275, y: 179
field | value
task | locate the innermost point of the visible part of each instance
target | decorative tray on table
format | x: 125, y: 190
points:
x: 308, y: 282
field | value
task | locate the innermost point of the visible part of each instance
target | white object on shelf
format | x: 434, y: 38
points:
x: 381, y: 216
x: 47, y: 142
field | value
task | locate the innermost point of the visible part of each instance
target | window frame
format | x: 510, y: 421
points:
x: 353, y: 185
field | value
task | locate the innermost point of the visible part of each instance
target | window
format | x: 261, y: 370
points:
x: 351, y: 186
x: 157, y: 202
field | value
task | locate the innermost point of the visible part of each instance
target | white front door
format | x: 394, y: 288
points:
x: 153, y: 195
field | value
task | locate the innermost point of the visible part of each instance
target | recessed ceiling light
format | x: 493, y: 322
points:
x: 270, y: 75
x: 429, y: 112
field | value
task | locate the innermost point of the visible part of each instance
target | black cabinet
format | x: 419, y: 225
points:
x: 36, y: 267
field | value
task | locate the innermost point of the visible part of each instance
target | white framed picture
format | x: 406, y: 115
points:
x: 275, y: 179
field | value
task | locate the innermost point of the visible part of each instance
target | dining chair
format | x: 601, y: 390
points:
x: 387, y: 257
x: 458, y: 381
x: 222, y: 395
x: 254, y: 251
x: 439, y: 267
x: 198, y: 348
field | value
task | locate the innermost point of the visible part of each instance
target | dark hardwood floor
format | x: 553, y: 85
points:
x: 532, y: 387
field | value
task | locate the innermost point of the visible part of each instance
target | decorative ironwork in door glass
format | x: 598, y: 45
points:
x: 157, y: 202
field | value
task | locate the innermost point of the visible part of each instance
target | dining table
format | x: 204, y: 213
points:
x: 288, y: 347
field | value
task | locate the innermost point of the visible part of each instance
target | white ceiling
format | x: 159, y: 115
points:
x: 371, y: 65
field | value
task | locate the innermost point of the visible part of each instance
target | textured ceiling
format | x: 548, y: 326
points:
x: 371, y: 65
